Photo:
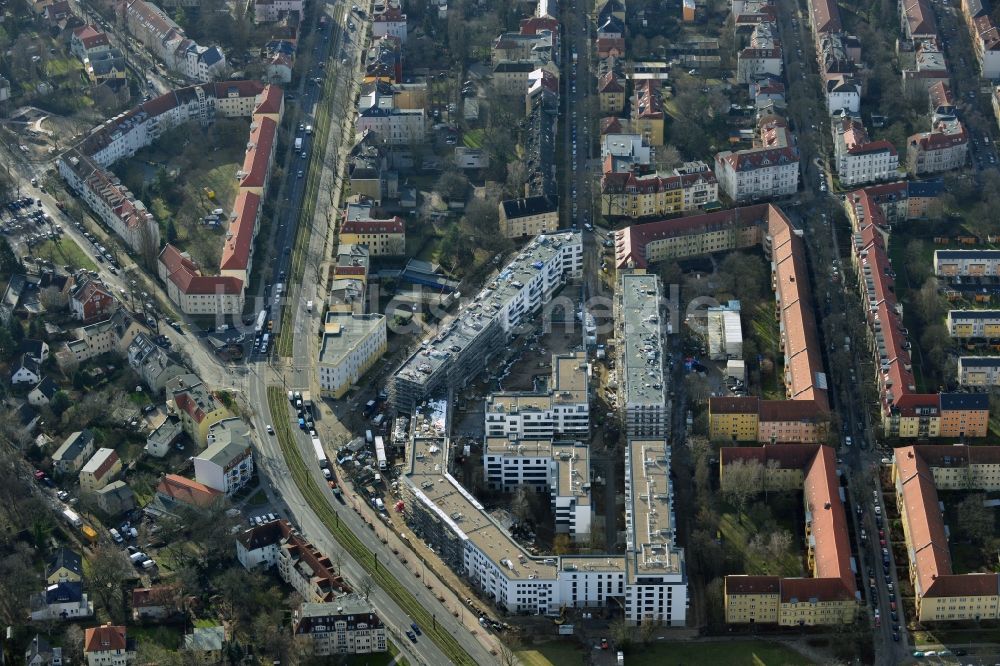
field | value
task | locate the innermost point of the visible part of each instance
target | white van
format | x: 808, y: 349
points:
x: 148, y: 564
x: 137, y: 557
x: 368, y: 436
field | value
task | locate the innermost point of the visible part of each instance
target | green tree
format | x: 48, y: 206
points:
x: 60, y: 403
x: 171, y: 230
x: 16, y: 330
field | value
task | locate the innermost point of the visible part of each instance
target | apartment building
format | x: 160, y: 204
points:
x: 918, y: 472
x: 529, y: 216
x: 389, y: 20
x: 348, y: 625
x: 465, y: 345
x: 917, y: 20
x: 351, y: 344
x: 69, y: 457
x: 639, y: 319
x: 269, y: 11
x: 843, y: 93
x: 102, y: 467
x: 650, y: 578
x: 905, y: 412
x: 944, y: 148
x: 966, y: 263
x: 227, y: 464
x: 634, y: 195
x: 377, y: 112
x: 196, y: 406
x: 560, y: 468
x: 751, y: 419
x: 563, y: 408
x: 769, y: 169
x: 385, y: 237
x: 151, y: 26
x: 859, y: 159
x: 978, y: 371
x: 830, y: 596
x: 647, y: 111
x: 973, y: 323
x: 88, y: 41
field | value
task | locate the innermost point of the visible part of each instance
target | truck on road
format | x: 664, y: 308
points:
x: 320, y: 454
x: 73, y: 518
x: 298, y: 143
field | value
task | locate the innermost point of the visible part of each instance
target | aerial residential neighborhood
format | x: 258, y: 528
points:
x: 543, y: 333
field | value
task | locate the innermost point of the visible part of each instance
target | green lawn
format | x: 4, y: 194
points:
x: 473, y: 138
x: 167, y: 637
x: 556, y: 653
x: 258, y: 499
x: 730, y: 653
x: 64, y: 252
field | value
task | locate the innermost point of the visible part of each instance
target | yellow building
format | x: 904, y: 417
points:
x: 197, y: 408
x: 647, y: 112
x: 383, y: 237
x: 830, y: 595
x: 611, y: 93
x: 918, y: 472
x: 733, y: 419
x: 528, y: 216
x: 626, y: 194
x: 99, y: 470
x: 973, y: 323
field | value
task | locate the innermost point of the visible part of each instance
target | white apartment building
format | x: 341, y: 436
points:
x: 560, y: 468
x: 656, y: 584
x: 563, y: 409
x: 377, y: 112
x: 979, y: 371
x: 391, y: 22
x: 351, y: 344
x: 770, y: 169
x: 860, y: 160
x: 227, y: 464
x: 464, y: 345
x: 973, y: 323
x: 268, y: 11
x: 843, y: 91
x: 348, y: 625
x: 638, y: 327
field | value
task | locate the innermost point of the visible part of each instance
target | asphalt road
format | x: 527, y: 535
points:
x: 833, y: 297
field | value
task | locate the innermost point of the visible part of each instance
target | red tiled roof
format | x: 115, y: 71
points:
x: 752, y: 585
x: 187, y: 491
x: 239, y: 238
x: 258, y: 155
x: 391, y: 226
x: 106, y: 465
x: 826, y: 16
x: 104, y: 638
x: 270, y: 100
x: 185, y: 275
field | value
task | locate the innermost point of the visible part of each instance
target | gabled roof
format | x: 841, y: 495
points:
x: 239, y: 237
x: 104, y: 638
x: 64, y: 558
x: 47, y: 387
x: 187, y: 491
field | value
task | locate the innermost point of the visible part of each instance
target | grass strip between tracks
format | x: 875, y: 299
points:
x: 318, y: 502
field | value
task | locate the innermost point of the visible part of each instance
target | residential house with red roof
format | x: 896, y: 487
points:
x: 635, y: 195
x: 647, y: 112
x: 860, y: 160
x: 99, y: 470
x: 197, y: 407
x: 174, y: 489
x: 944, y: 148
x: 382, y: 236
x: 92, y: 301
x: 830, y: 595
x: 108, y: 645
x: 88, y: 41
x: 918, y: 472
x: 770, y: 169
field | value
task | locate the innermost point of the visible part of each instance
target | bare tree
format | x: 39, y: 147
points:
x: 107, y: 572
x: 740, y: 481
x: 365, y: 586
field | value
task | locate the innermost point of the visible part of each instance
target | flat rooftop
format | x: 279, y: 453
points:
x: 465, y: 516
x: 460, y: 331
x: 572, y: 460
x: 343, y: 331
x: 649, y: 500
x: 569, y: 385
x: 642, y: 343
